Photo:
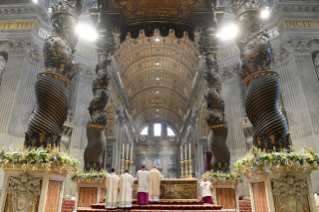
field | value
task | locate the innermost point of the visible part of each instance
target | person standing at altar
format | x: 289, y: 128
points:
x: 111, y: 185
x: 155, y: 180
x: 206, y: 191
x: 143, y: 178
x: 125, y: 184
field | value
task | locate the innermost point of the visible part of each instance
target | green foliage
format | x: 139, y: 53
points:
x: 89, y: 176
x: 31, y: 159
x: 222, y: 177
x: 256, y: 159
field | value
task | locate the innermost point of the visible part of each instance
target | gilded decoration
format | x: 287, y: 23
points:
x: 290, y: 195
x: 172, y: 189
x: 168, y: 9
x: 23, y: 193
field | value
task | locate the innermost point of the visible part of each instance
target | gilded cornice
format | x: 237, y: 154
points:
x: 26, y: 12
x: 291, y: 10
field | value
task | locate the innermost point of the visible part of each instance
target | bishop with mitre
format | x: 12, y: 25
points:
x: 154, y: 184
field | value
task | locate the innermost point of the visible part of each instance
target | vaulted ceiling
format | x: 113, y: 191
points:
x: 157, y: 74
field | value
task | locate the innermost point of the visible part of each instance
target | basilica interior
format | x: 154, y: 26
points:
x: 188, y: 85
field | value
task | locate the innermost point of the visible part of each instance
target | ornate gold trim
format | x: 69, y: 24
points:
x: 95, y: 126
x: 217, y: 126
x: 66, y: 80
x: 245, y: 11
x: 64, y: 13
x: 250, y: 77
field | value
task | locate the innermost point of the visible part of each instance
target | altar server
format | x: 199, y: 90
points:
x: 111, y: 185
x: 206, y: 192
x: 154, y: 185
x: 125, y: 185
x: 143, y: 178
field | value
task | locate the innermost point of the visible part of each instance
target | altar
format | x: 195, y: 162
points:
x: 175, y: 189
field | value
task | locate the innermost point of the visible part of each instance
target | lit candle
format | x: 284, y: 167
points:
x: 185, y: 148
x: 181, y: 152
x: 131, y: 152
x: 123, y: 150
x: 190, y: 151
x: 127, y: 150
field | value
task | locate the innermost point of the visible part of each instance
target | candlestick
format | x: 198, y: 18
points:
x: 127, y: 150
x: 182, y: 169
x: 190, y: 168
x: 181, y: 153
x: 185, y: 148
x: 126, y: 165
x: 123, y: 150
x: 186, y: 169
x: 190, y: 151
x: 131, y: 167
x: 122, y: 168
x: 131, y: 153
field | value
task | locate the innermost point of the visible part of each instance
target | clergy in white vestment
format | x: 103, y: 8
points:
x: 111, y: 185
x: 316, y: 201
x: 143, y: 178
x: 206, y: 191
x: 125, y: 184
x: 154, y: 184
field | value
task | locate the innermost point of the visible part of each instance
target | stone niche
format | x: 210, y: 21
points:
x: 225, y: 194
x: 283, y: 190
x: 36, y: 191
x: 89, y: 192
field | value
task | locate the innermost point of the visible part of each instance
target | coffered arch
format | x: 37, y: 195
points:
x: 157, y: 75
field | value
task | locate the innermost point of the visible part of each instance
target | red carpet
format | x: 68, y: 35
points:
x: 163, y: 206
x: 244, y: 206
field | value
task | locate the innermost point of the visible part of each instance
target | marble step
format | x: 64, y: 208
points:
x: 105, y: 210
x: 168, y: 207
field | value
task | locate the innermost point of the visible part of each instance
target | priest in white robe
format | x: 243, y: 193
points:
x: 143, y: 178
x: 125, y: 184
x: 154, y: 184
x: 206, y: 191
x: 111, y: 185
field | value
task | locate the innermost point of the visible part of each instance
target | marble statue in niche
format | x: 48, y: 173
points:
x: 290, y: 195
x: 3, y: 64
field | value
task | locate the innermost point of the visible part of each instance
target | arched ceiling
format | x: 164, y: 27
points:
x: 157, y: 75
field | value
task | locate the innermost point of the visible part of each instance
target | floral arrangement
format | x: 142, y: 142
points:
x: 257, y: 159
x: 247, y: 198
x: 222, y: 177
x: 89, y: 176
x: 31, y: 159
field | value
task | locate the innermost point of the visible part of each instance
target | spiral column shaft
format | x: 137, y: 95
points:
x: 44, y: 128
x: 215, y: 116
x: 96, y: 125
x: 271, y: 130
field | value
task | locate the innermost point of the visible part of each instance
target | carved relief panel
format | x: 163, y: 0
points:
x: 23, y: 194
x: 290, y: 195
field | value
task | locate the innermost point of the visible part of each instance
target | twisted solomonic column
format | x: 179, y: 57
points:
x: 51, y: 110
x: 271, y: 130
x: 95, y: 129
x: 215, y: 116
